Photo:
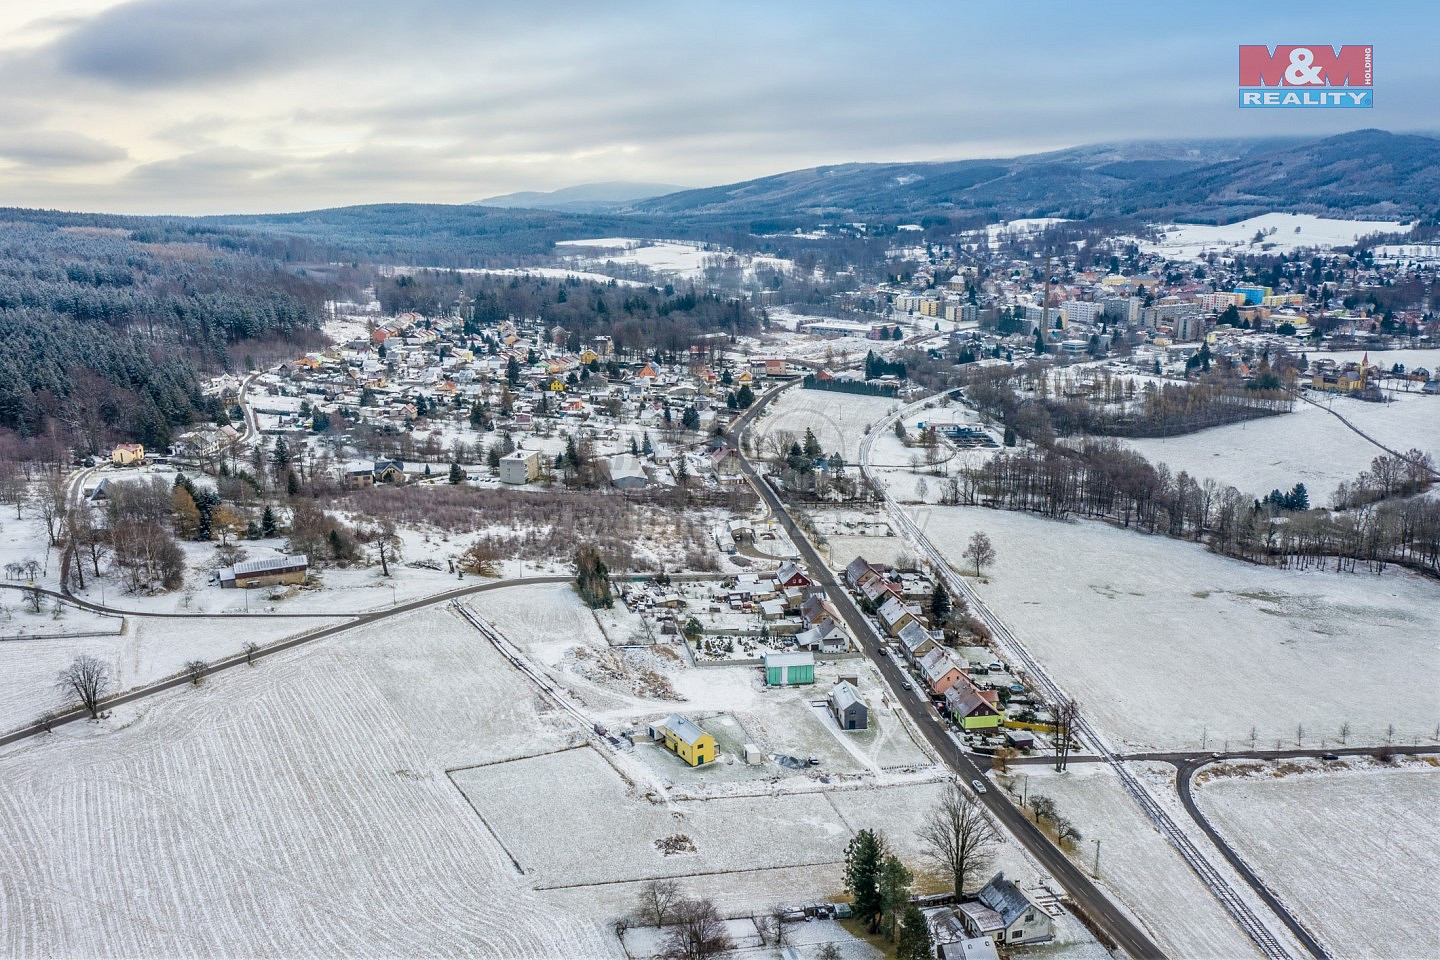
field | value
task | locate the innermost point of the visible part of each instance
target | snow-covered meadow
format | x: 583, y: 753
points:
x: 1308, y: 446
x: 149, y: 649
x: 1352, y: 852
x: 839, y: 420
x: 1137, y: 865
x: 1292, y: 231
x: 300, y: 808
x: 1164, y: 643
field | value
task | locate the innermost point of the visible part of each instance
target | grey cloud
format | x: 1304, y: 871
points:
x: 154, y: 44
x: 57, y: 148
x: 162, y: 43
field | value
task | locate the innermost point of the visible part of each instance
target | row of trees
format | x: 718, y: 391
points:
x: 1103, y: 480
x: 1158, y: 409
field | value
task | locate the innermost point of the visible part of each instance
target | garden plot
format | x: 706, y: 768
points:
x: 1138, y: 866
x: 725, y: 845
x: 789, y: 728
x: 296, y: 809
x: 568, y: 818
x: 1352, y: 852
x: 1165, y: 644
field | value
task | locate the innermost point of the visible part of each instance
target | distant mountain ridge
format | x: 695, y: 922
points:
x: 581, y: 198
x: 1366, y: 173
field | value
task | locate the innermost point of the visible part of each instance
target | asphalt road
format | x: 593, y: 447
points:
x: 140, y: 693
x: 1183, y: 773
x: 1081, y: 889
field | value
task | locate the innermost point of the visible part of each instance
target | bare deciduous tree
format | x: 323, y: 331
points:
x: 1066, y: 712
x: 979, y: 551
x: 958, y: 838
x: 698, y: 932
x: 251, y: 648
x: 657, y: 900
x: 87, y: 679
x: 51, y: 497
x: 196, y: 670
x: 1066, y: 832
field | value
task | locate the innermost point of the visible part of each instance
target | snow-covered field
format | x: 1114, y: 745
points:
x: 683, y: 258
x: 150, y: 649
x: 1137, y: 865
x: 1353, y: 853
x: 751, y: 850
x: 1307, y: 446
x: 297, y: 809
x: 1164, y: 643
x: 1293, y: 231
x: 839, y: 420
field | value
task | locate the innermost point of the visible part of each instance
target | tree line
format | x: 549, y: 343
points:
x: 1103, y: 480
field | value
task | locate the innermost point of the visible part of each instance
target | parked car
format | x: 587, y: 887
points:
x: 814, y: 761
x: 1329, y: 756
x: 979, y: 787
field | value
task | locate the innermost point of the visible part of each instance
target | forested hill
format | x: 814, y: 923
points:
x: 105, y: 332
x: 1365, y: 173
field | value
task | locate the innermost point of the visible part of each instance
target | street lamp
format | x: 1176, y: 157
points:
x: 394, y: 600
x: 1095, y: 872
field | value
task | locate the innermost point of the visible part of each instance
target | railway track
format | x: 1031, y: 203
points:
x: 1016, y: 652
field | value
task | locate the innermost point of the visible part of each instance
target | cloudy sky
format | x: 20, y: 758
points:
x: 210, y: 106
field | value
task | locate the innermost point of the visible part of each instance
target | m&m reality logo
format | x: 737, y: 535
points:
x: 1310, y: 75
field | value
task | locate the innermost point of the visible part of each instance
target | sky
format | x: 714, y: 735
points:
x: 248, y: 106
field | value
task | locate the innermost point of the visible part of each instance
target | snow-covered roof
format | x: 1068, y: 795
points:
x: 684, y: 728
x: 937, y: 664
x: 1006, y: 899
x: 843, y: 696
x: 249, y: 567
x: 789, y: 660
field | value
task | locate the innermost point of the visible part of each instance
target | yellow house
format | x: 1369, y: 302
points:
x: 588, y: 356
x: 127, y: 454
x: 685, y: 737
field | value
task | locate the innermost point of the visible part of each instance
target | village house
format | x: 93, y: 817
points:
x: 916, y: 642
x: 895, y: 614
x: 685, y: 739
x: 940, y: 671
x: 848, y: 708
x: 861, y: 571
x: 972, y: 708
x: 264, y: 573
x: 128, y: 454
x: 790, y: 575
x: 825, y: 636
x: 1004, y: 912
